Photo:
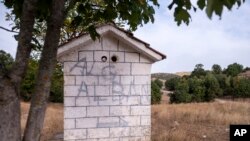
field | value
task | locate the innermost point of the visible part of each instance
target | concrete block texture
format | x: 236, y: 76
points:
x: 120, y: 56
x: 72, y: 56
x: 131, y: 57
x: 99, y: 54
x: 99, y: 111
x: 140, y: 69
x: 74, y: 112
x: 69, y: 123
x: 107, y: 101
x: 75, y: 134
x: 119, y: 110
x: 86, y: 122
x: 119, y: 132
x: 141, y: 110
x: 98, y: 133
x: 86, y: 56
x: 69, y: 80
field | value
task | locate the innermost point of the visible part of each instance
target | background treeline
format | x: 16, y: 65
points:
x: 28, y: 84
x: 156, y: 94
x: 204, y: 85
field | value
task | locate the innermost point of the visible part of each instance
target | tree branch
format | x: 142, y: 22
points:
x: 8, y: 29
x: 70, y: 6
x: 37, y: 43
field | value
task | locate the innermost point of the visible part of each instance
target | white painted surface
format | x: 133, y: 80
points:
x: 106, y: 101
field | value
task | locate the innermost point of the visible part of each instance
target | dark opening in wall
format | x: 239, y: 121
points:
x: 104, y: 58
x: 114, y: 58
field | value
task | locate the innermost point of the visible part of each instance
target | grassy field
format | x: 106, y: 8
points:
x: 176, y: 122
x: 53, y: 120
x: 197, y: 121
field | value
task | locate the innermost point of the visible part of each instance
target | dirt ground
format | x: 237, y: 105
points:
x: 171, y: 122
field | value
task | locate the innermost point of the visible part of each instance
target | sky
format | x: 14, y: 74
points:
x: 217, y: 41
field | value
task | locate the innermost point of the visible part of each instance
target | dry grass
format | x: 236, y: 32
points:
x: 53, y: 119
x: 177, y: 122
x: 197, y: 121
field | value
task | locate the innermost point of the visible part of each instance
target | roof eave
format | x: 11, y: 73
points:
x: 138, y: 44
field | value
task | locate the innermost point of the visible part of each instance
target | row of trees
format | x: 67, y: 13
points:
x: 156, y: 94
x: 56, y: 90
x: 204, y: 85
x: 28, y: 83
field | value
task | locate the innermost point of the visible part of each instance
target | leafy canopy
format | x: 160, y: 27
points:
x: 89, y: 13
x: 182, y: 8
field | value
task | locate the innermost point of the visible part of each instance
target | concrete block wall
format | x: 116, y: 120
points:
x: 107, y: 101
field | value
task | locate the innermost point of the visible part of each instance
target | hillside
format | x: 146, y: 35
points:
x: 183, y: 73
x: 171, y: 122
x: 245, y: 74
x: 163, y: 76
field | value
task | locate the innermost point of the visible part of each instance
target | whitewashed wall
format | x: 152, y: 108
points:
x: 106, y: 101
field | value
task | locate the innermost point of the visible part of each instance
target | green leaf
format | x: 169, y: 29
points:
x: 209, y: 9
x: 171, y: 5
x: 214, y: 6
x: 181, y: 15
x: 201, y: 4
x: 92, y: 32
x: 218, y: 8
x: 76, y: 21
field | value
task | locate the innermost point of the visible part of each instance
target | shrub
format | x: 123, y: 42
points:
x: 198, y: 71
x: 234, y: 69
x: 180, y: 97
x: 56, y: 90
x: 159, y: 83
x: 242, y: 87
x: 199, y: 94
x: 155, y: 93
x: 216, y: 69
x: 181, y: 93
x: 212, y: 87
x: 28, y: 83
x: 196, y: 89
x: 6, y: 62
x: 182, y: 85
x: 171, y: 83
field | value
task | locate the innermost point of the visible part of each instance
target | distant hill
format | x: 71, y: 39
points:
x: 245, y: 74
x: 163, y: 76
x: 183, y: 73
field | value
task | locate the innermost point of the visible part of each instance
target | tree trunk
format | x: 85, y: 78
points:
x: 10, y: 127
x: 47, y: 64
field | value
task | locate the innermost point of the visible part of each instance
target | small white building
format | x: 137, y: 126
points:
x: 107, y: 86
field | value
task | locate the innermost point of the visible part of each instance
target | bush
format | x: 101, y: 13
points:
x: 180, y: 97
x: 207, y: 85
x: 159, y: 83
x: 242, y: 87
x: 172, y: 83
x: 155, y: 93
x: 212, y: 87
x: 28, y: 83
x: 234, y: 69
x: 216, y: 69
x: 199, y: 94
x: 182, y: 85
x: 198, y: 71
x: 196, y: 89
x: 56, y: 90
x: 181, y: 93
x: 6, y: 62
